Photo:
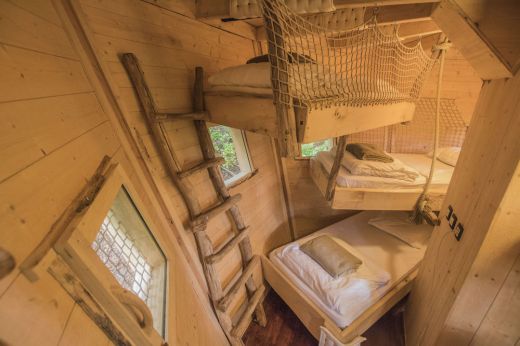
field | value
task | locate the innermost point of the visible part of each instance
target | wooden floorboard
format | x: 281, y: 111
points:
x: 284, y: 328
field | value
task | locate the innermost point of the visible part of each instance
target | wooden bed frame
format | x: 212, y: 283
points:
x: 313, y: 317
x: 257, y: 113
x: 370, y: 198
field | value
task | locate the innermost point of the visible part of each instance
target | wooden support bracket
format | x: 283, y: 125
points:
x: 340, y: 152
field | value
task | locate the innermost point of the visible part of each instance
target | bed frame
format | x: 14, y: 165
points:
x: 370, y: 198
x: 314, y: 319
x: 257, y: 113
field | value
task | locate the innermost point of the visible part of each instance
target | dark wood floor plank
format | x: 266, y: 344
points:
x: 284, y: 329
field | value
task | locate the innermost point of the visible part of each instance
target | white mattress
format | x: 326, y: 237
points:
x: 381, y: 250
x: 420, y: 162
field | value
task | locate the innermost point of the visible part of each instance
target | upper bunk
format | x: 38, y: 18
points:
x: 320, y: 80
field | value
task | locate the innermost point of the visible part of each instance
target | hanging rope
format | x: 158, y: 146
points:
x: 423, y: 212
x: 323, y: 66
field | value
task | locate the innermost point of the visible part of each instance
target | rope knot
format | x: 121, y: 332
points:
x: 442, y: 46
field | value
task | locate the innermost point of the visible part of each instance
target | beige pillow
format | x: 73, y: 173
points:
x: 335, y: 259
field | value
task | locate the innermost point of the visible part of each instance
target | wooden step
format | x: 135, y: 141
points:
x: 207, y: 215
x: 159, y: 116
x: 224, y: 303
x: 224, y: 250
x: 242, y: 325
x: 200, y: 166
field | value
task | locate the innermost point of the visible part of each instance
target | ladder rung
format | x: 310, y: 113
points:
x: 220, y: 208
x: 219, y: 254
x: 242, y: 325
x: 200, y: 166
x: 224, y: 303
x: 159, y: 116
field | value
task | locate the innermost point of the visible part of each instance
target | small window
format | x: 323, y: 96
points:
x: 231, y: 144
x: 311, y: 149
x: 128, y: 249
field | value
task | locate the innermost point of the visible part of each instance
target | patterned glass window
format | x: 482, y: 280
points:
x: 128, y: 249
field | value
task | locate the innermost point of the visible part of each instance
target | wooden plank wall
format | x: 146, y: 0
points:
x: 308, y: 208
x: 169, y: 45
x: 54, y: 132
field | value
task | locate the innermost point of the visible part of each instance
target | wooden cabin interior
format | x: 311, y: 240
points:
x: 259, y: 172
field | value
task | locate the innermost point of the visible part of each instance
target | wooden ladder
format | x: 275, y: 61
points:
x: 221, y: 297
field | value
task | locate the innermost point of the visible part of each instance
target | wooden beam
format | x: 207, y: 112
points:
x: 378, y: 3
x: 470, y: 41
x: 216, y: 210
x: 228, y: 246
x: 242, y: 325
x: 340, y: 152
x: 200, y: 166
x: 225, y: 302
x: 176, y: 116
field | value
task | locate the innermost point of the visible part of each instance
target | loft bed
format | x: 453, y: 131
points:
x: 342, y: 309
x: 356, y: 192
x: 319, y: 82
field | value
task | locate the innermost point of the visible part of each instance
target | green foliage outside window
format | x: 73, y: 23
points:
x: 224, y: 146
x: 311, y: 149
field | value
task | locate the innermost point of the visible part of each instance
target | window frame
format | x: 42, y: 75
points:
x: 243, y: 154
x: 74, y: 247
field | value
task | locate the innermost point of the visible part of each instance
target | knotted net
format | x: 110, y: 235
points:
x: 318, y: 67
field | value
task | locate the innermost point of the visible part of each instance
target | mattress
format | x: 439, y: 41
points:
x: 419, y: 162
x: 381, y: 250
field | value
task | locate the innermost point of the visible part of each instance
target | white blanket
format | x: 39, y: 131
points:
x: 348, y: 294
x: 395, y: 170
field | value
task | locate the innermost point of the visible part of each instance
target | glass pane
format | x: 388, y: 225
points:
x: 230, y: 145
x: 126, y: 246
x: 311, y: 149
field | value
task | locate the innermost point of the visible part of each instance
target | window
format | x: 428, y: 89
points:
x: 112, y: 253
x: 127, y: 248
x: 311, y: 149
x: 232, y: 146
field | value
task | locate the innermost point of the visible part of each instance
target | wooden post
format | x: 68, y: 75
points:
x: 340, y: 152
x: 487, y: 168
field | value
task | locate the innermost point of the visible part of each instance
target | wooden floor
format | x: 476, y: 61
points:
x: 284, y: 329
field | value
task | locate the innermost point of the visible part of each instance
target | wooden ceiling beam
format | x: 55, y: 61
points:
x: 469, y: 40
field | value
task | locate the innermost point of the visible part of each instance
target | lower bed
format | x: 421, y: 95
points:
x: 346, y: 312
x: 377, y: 193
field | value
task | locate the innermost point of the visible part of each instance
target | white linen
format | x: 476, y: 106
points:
x: 343, y: 300
x: 422, y: 163
x: 448, y: 155
x: 252, y: 75
x: 395, y: 169
x: 399, y: 225
x: 347, y: 179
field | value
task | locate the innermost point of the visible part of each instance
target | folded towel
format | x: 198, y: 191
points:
x: 368, y: 152
x: 395, y: 169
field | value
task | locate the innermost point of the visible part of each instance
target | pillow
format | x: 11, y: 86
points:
x: 258, y: 59
x: 254, y: 75
x: 335, y: 259
x: 395, y: 169
x: 447, y: 155
x: 400, y: 226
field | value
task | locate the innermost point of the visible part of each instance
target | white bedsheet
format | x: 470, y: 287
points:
x: 419, y: 162
x: 386, y: 259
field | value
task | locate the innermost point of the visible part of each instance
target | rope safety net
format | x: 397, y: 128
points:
x: 319, y: 67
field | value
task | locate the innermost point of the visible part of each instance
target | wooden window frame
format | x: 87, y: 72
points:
x: 243, y: 154
x: 74, y: 247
